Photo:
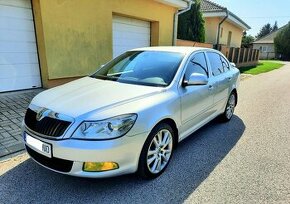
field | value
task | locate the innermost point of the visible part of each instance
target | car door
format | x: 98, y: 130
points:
x: 196, y: 100
x: 220, y: 80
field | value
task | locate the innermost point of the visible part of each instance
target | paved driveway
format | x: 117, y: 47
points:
x: 244, y: 161
x: 12, y: 109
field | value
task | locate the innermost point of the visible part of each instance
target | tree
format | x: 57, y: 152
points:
x: 275, y: 26
x: 247, y: 40
x: 267, y: 29
x: 282, y: 42
x: 191, y: 24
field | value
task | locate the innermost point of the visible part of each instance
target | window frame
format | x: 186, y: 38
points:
x: 221, y: 56
x: 190, y: 61
x: 187, y: 61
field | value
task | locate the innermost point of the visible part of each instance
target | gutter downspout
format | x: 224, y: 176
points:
x: 175, y: 20
x: 219, y: 28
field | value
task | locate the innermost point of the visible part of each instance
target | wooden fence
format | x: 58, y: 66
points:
x: 242, y: 57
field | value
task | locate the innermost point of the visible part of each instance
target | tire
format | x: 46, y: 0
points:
x: 230, y: 108
x: 155, y: 156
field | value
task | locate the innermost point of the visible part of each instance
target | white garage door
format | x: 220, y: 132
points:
x: 19, y: 67
x: 129, y: 33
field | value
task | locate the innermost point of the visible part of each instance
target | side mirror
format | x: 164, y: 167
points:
x: 233, y: 64
x: 102, y: 65
x: 196, y: 79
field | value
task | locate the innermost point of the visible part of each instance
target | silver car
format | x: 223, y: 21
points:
x: 131, y: 113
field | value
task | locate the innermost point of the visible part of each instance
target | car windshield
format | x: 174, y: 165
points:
x: 151, y: 68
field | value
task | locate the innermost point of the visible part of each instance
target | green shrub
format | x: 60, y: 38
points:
x: 282, y: 43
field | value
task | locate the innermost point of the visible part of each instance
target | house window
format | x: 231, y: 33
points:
x: 264, y: 49
x: 229, y: 39
x: 222, y: 30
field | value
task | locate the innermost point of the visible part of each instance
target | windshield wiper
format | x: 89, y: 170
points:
x: 111, y: 78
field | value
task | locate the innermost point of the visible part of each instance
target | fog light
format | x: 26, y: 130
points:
x: 99, y: 166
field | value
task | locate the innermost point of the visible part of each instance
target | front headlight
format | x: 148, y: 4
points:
x: 106, y: 129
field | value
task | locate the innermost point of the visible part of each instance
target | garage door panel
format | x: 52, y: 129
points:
x: 19, y: 83
x: 129, y: 33
x: 15, y: 12
x: 129, y: 28
x: 135, y: 36
x: 130, y: 21
x: 131, y: 44
x: 19, y: 66
x: 17, y: 36
x: 18, y: 70
x: 16, y: 24
x: 18, y: 58
x: 17, y: 47
x: 17, y: 3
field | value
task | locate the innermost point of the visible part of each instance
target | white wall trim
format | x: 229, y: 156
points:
x: 180, y: 4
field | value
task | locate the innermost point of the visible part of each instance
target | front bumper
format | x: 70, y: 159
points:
x: 71, y: 152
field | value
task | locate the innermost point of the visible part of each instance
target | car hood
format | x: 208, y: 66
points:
x: 88, y: 94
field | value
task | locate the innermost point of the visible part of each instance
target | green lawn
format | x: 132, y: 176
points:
x: 263, y: 66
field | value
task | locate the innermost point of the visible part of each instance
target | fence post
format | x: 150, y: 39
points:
x: 248, y: 58
x: 239, y: 53
x: 252, y: 56
x: 244, y: 54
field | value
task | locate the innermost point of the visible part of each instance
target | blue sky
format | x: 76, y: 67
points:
x: 257, y: 13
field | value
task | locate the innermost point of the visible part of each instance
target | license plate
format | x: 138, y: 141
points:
x: 41, y: 147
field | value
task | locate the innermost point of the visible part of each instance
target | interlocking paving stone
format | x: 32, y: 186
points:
x: 13, y: 106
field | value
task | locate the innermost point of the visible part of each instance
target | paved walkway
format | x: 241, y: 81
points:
x: 12, y: 110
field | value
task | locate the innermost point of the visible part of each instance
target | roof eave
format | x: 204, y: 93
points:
x: 233, y: 18
x: 180, y: 4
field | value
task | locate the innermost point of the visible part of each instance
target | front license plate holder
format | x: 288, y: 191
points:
x: 38, y: 145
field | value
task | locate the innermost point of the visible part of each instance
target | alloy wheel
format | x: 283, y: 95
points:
x: 159, y: 151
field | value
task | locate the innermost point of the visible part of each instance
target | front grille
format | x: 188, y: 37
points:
x: 52, y: 163
x: 46, y: 126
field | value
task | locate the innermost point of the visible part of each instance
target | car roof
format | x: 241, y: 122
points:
x: 180, y: 49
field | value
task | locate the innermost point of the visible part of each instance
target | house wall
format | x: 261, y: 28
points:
x: 211, y: 27
x: 267, y: 51
x: 75, y: 37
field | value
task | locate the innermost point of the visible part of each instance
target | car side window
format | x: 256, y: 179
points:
x: 197, y: 64
x: 225, y: 64
x: 216, y: 63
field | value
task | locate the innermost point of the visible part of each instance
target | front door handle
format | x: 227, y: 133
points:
x: 210, y: 87
x: 229, y: 78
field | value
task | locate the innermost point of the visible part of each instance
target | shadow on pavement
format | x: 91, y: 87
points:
x: 193, y: 161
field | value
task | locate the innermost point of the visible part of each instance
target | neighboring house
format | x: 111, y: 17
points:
x: 266, y: 45
x: 231, y: 30
x: 50, y: 42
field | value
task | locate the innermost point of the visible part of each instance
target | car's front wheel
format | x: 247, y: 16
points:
x: 156, y: 152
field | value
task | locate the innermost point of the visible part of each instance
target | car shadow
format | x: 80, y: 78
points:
x: 193, y: 161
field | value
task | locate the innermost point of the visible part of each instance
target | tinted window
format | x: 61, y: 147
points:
x: 152, y: 68
x: 196, y: 65
x: 216, y: 63
x: 225, y: 63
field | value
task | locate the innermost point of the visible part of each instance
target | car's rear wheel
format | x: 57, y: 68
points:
x: 156, y: 152
x: 230, y: 108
